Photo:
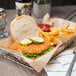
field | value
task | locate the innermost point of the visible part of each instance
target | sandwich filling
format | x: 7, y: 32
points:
x: 34, y: 56
x: 33, y: 50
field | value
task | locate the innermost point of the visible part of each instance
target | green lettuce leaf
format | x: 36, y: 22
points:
x: 37, y: 55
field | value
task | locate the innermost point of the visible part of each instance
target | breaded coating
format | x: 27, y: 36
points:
x: 32, y: 48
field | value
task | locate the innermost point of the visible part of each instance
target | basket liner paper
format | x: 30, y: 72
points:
x: 39, y: 63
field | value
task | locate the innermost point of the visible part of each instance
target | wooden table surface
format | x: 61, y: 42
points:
x: 8, y: 68
x: 61, y: 11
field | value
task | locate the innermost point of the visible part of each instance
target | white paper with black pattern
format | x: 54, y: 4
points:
x: 60, y: 64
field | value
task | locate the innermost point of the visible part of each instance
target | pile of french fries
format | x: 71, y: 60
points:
x: 56, y: 32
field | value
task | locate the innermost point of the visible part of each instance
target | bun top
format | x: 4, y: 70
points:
x: 23, y: 27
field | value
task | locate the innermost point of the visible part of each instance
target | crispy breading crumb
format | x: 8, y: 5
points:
x: 32, y: 48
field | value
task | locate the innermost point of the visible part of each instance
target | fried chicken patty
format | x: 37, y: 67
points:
x: 32, y: 48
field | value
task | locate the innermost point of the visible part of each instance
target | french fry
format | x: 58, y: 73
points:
x: 66, y: 26
x: 75, y: 26
x: 55, y: 29
x: 52, y: 43
x: 43, y: 33
x: 66, y: 34
x: 52, y: 37
x: 69, y: 30
x: 62, y: 33
x: 52, y: 33
x: 56, y: 32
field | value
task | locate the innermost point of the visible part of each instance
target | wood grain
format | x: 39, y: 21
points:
x: 9, y: 68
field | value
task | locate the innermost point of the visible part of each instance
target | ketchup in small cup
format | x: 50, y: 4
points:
x: 45, y: 27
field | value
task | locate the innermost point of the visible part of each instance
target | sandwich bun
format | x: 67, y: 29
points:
x: 23, y: 27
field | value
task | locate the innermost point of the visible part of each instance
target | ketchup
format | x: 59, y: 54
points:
x: 45, y: 27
